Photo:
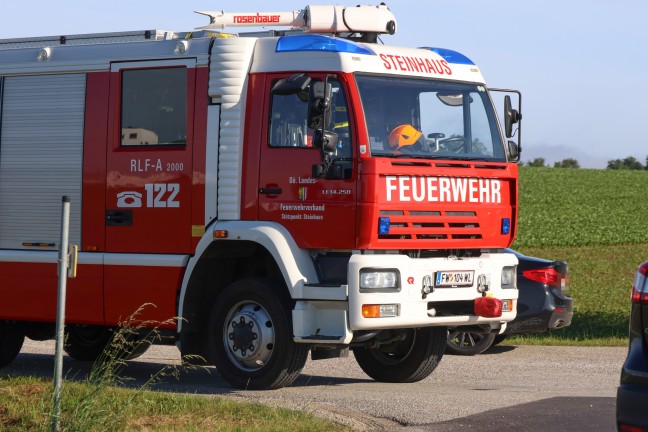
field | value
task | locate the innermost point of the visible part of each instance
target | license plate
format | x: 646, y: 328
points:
x: 506, y: 305
x: 454, y: 278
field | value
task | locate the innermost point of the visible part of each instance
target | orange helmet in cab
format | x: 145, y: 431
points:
x: 403, y: 135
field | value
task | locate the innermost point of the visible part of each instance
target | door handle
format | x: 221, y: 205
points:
x: 119, y: 218
x: 270, y: 191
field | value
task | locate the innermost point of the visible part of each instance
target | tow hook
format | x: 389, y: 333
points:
x: 428, y: 287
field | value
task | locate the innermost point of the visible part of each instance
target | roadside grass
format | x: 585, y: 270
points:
x: 25, y: 404
x: 102, y: 400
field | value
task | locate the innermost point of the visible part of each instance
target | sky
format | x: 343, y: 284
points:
x: 573, y: 60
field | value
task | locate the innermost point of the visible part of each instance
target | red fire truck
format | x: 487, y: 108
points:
x: 275, y: 193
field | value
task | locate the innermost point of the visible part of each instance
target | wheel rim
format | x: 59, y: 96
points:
x: 394, y: 353
x: 248, y: 336
x: 465, y: 339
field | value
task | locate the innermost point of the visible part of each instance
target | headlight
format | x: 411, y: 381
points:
x: 508, y: 277
x: 379, y: 280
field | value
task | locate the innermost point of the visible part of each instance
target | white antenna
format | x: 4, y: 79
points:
x: 313, y: 19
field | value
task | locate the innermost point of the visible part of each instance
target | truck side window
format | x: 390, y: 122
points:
x: 288, y: 121
x: 154, y: 107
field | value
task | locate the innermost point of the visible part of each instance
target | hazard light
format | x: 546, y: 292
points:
x: 488, y: 307
x: 313, y: 42
x: 506, y: 226
x: 383, y: 225
x: 451, y: 56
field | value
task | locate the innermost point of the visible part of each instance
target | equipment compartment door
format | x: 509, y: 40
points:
x: 148, y: 197
x: 318, y: 212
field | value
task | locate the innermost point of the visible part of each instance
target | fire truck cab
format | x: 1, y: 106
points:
x: 257, y: 197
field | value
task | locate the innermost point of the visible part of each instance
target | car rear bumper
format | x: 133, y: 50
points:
x: 554, y: 313
x: 631, y: 405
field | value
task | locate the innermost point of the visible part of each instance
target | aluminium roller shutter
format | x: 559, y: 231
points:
x: 41, y: 158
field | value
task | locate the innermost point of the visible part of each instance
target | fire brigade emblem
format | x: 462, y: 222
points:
x: 303, y: 193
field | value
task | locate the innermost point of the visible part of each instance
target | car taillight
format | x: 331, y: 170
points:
x: 548, y: 276
x: 639, y: 288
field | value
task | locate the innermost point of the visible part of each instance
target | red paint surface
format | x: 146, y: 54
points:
x: 154, y: 289
x: 29, y: 291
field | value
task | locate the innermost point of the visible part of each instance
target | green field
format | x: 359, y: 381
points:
x: 596, y: 220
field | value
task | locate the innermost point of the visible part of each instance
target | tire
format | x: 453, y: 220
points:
x: 250, y: 337
x: 499, y: 339
x: 406, y: 361
x: 88, y: 343
x: 468, y: 344
x: 11, y: 341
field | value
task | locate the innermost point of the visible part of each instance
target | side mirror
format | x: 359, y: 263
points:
x: 296, y: 84
x: 514, y: 151
x: 327, y: 142
x: 511, y: 116
x: 319, y: 105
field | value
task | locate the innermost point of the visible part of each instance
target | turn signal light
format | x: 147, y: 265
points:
x: 488, y: 307
x: 379, y: 311
x: 220, y: 234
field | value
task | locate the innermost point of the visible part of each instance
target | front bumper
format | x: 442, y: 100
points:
x: 450, y: 306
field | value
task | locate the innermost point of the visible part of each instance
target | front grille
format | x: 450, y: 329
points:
x: 431, y: 225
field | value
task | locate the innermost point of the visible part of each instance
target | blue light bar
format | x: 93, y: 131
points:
x: 383, y: 225
x: 451, y: 56
x: 316, y: 42
x: 506, y: 226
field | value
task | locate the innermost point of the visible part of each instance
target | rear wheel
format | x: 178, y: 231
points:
x: 250, y: 337
x: 11, y: 340
x: 467, y: 343
x: 88, y: 343
x: 408, y: 360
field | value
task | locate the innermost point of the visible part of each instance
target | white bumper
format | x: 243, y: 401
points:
x: 415, y: 308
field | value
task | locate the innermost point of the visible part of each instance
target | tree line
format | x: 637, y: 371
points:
x: 629, y: 163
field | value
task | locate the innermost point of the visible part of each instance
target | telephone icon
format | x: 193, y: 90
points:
x: 129, y: 199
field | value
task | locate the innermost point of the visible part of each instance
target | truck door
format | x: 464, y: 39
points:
x: 318, y: 212
x: 148, y: 186
x: 148, y: 200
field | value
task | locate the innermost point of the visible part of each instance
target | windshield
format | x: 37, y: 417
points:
x: 408, y: 117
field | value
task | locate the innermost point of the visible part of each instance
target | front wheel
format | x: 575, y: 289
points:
x: 250, y: 337
x: 11, y: 341
x: 467, y: 343
x: 408, y: 360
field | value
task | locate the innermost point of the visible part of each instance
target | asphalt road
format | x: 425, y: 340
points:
x: 523, y: 388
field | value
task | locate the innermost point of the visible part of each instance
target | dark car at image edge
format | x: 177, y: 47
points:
x: 543, y: 304
x: 632, y: 394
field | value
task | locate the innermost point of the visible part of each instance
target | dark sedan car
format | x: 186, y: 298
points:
x: 543, y: 304
x: 632, y: 394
